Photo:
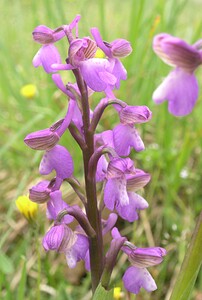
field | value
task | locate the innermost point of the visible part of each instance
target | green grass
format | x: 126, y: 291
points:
x: 173, y: 145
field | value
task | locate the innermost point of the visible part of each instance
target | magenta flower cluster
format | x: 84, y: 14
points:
x: 105, y: 158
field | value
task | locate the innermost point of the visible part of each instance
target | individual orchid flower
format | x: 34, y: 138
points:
x: 114, y: 50
x: 180, y: 87
x: 47, y: 138
x: 60, y: 237
x: 125, y: 135
x: 120, y: 191
x: 137, y: 276
x: 48, y: 53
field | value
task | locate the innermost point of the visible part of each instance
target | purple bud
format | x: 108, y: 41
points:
x: 59, y: 238
x: 120, y: 48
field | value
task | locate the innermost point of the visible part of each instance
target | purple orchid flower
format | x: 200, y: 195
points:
x: 125, y: 135
x: 119, y: 192
x: 118, y: 48
x: 47, y: 138
x: 180, y: 87
x: 137, y: 276
x: 60, y: 237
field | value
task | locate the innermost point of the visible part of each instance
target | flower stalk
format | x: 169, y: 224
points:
x: 94, y: 217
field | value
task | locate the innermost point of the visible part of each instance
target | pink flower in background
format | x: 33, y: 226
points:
x: 180, y: 87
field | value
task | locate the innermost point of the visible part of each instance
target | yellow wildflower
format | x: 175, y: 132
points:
x: 28, y: 91
x: 27, y: 207
x: 117, y: 293
x: 99, y: 53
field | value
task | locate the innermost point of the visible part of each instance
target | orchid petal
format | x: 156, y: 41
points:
x: 181, y: 91
x: 135, y: 278
x: 58, y: 159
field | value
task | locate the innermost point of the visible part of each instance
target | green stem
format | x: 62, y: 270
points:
x: 94, y: 217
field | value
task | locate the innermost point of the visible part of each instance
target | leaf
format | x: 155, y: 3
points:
x: 190, y: 266
x: 6, y: 265
x: 101, y: 294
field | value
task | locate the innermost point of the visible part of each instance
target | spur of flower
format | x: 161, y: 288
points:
x: 180, y: 87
